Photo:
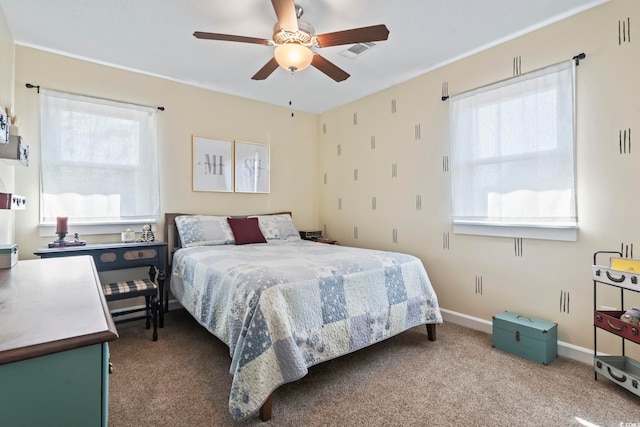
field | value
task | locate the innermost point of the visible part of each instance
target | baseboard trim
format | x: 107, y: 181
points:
x: 174, y: 304
x: 565, y: 349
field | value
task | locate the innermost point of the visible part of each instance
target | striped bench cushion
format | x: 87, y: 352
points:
x: 129, y: 286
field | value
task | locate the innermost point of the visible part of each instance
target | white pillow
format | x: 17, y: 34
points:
x: 204, y: 230
x: 278, y: 227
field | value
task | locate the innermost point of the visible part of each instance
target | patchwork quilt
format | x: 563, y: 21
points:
x: 284, y: 306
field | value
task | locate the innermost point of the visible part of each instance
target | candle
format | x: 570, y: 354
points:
x: 61, y: 226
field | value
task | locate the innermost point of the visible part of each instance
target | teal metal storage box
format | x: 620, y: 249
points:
x: 527, y: 337
x: 8, y: 255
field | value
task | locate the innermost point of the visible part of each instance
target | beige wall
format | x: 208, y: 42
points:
x: 608, y: 100
x: 534, y: 283
x: 6, y: 98
x: 188, y: 110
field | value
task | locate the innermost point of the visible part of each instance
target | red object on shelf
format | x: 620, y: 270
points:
x: 610, y: 321
x: 5, y: 201
x: 61, y: 226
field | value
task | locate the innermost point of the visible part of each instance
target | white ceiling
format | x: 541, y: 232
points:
x: 155, y: 37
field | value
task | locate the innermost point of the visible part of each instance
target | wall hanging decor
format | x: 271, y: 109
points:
x: 212, y: 164
x: 252, y: 172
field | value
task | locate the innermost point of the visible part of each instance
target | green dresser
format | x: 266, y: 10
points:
x: 54, y: 352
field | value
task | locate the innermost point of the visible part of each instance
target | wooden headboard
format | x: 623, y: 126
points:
x: 173, y: 238
x: 171, y: 232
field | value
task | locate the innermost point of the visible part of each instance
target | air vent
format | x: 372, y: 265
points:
x: 357, y: 49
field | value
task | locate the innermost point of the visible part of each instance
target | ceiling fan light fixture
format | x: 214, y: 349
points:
x: 293, y: 56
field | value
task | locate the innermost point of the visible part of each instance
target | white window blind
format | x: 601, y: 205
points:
x: 512, y: 152
x: 98, y: 160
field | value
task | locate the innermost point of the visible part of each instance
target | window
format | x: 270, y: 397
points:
x: 512, y: 156
x: 99, y: 160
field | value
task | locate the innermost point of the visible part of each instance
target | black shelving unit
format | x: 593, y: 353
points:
x: 620, y: 369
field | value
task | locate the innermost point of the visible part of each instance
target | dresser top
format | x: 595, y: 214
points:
x: 51, y: 305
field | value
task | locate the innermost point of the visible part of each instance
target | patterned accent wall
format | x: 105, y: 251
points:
x: 517, y: 65
x: 624, y: 138
x: 624, y: 31
x: 392, y: 176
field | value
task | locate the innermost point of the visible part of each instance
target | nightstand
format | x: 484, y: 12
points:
x: 316, y: 236
x: 311, y: 235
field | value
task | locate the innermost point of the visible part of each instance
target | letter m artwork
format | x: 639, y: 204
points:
x: 213, y: 164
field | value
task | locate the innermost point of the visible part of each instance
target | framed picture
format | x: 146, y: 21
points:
x: 251, y: 167
x: 212, y: 164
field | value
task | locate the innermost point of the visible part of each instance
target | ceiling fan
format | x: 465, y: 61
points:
x: 294, y: 38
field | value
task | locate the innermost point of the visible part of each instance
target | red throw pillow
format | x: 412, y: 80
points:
x: 246, y: 230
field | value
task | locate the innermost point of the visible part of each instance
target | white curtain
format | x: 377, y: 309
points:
x: 99, y: 161
x: 512, y: 151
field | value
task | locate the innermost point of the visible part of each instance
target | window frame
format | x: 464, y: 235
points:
x: 567, y: 230
x: 106, y: 225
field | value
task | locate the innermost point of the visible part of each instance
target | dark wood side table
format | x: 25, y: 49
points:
x: 121, y: 256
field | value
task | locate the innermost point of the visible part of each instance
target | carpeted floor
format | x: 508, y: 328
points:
x: 458, y: 380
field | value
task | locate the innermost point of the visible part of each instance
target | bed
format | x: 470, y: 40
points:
x: 282, y: 304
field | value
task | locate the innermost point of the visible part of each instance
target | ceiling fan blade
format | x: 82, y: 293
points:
x: 286, y: 13
x: 266, y: 70
x: 329, y: 68
x: 229, y: 38
x: 373, y: 33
